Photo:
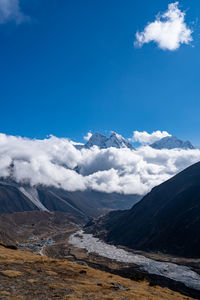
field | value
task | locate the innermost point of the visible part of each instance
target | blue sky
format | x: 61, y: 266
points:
x: 72, y: 67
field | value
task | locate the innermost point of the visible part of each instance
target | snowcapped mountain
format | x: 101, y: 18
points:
x: 115, y: 140
x: 171, y: 142
x: 97, y: 139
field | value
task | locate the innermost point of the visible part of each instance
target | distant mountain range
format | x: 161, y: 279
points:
x: 117, y: 141
x: 166, y: 220
x: 171, y: 142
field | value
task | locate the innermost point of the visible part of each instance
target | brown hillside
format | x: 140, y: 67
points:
x: 24, y: 275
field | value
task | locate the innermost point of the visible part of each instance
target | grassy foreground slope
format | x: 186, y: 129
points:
x: 24, y: 275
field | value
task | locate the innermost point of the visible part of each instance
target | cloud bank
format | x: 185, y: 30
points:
x: 56, y: 162
x: 10, y: 11
x: 168, y: 31
x: 144, y: 137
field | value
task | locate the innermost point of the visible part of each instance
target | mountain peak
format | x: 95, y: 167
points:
x: 97, y: 139
x: 171, y: 142
x: 118, y: 141
x: 115, y: 140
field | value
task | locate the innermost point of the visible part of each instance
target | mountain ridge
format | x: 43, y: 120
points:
x: 171, y: 142
x: 16, y: 197
x: 115, y: 140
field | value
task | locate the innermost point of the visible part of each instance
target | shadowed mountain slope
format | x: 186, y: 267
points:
x: 18, y: 198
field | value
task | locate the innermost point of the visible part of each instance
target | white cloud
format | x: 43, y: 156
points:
x: 144, y: 137
x: 10, y: 11
x: 169, y: 30
x: 52, y: 162
x: 88, y: 136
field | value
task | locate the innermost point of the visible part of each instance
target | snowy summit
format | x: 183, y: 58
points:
x: 115, y: 140
x: 171, y: 142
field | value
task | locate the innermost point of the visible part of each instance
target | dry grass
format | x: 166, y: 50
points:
x: 36, y: 277
x: 11, y: 273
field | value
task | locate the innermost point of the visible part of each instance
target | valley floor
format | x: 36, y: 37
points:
x: 40, y: 235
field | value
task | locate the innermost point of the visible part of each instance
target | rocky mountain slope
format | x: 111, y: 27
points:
x: 167, y: 219
x: 17, y: 228
x: 86, y: 204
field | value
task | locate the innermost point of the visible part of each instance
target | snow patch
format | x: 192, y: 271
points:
x: 32, y: 194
